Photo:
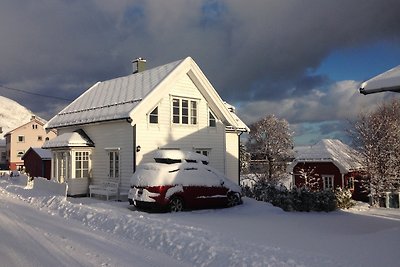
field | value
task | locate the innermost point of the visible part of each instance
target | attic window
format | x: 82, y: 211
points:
x: 153, y: 117
x: 211, y: 120
x: 184, y: 111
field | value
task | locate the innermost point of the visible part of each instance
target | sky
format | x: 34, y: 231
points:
x: 300, y: 60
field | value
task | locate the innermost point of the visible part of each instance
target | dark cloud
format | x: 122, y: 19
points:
x: 250, y: 50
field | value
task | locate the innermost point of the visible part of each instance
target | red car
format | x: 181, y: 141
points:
x: 185, y: 183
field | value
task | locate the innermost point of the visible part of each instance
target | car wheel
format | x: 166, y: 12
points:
x: 233, y: 200
x: 176, y: 204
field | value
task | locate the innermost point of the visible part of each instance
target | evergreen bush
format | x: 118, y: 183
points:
x: 299, y: 199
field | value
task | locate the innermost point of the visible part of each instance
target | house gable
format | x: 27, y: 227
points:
x: 189, y: 69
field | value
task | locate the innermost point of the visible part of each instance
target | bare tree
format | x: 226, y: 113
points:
x: 377, y: 136
x: 270, y: 141
x: 244, y: 159
x: 309, y: 176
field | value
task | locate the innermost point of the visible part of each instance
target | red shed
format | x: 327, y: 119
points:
x: 327, y: 165
x: 37, y: 162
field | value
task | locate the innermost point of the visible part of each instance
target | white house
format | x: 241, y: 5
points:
x: 117, y: 124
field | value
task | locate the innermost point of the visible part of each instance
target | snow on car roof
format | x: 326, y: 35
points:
x: 186, y: 174
x: 180, y: 155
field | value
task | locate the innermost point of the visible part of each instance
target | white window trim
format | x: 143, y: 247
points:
x: 22, y: 153
x: 208, y: 150
x: 209, y: 119
x: 190, y: 100
x: 73, y: 162
x: 158, y: 115
x: 23, y: 139
x: 332, y: 177
x: 67, y: 165
x: 113, y: 150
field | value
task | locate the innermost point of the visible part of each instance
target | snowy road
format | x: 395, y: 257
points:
x: 35, y: 238
x: 42, y: 229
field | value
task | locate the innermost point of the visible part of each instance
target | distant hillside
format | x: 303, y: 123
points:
x: 12, y: 115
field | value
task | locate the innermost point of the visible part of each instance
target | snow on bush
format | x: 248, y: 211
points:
x: 296, y: 199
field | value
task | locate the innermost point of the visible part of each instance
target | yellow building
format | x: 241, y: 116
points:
x: 19, y: 140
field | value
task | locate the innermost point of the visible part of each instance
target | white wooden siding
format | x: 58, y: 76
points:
x: 165, y: 134
x: 232, y: 154
x: 118, y: 134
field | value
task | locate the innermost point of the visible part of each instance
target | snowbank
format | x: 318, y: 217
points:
x: 49, y: 186
x: 252, y: 234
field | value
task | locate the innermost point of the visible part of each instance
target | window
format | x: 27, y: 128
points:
x: 113, y: 164
x: 204, y: 152
x: 211, y: 120
x: 184, y: 111
x: 153, y: 117
x: 328, y: 182
x: 34, y: 126
x: 350, y: 183
x: 193, y: 112
x: 47, y: 139
x: 20, y: 153
x: 61, y: 166
x: 21, y: 138
x: 81, y: 164
x: 40, y: 138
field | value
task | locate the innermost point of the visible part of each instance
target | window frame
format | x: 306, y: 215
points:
x: 81, y: 159
x: 21, y: 139
x: 328, y: 182
x: 212, y: 118
x: 154, y: 114
x: 184, y: 111
x: 114, y: 163
x: 350, y: 183
x: 20, y: 153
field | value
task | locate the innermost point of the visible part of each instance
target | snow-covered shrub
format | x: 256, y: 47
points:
x: 296, y: 199
x: 343, y: 198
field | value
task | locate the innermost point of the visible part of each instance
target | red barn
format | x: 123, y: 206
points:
x: 37, y: 162
x: 327, y: 165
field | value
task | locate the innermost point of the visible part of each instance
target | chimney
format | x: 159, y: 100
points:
x: 139, y: 65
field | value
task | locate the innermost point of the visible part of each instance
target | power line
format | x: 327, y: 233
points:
x: 36, y: 94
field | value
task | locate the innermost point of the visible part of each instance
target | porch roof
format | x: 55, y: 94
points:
x: 73, y: 139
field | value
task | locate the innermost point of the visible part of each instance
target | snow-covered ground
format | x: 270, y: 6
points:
x: 38, y: 229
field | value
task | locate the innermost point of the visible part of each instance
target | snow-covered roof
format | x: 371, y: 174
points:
x: 112, y: 99
x: 73, y: 139
x: 120, y: 98
x: 387, y: 81
x: 239, y: 123
x: 330, y: 150
x: 42, y: 153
